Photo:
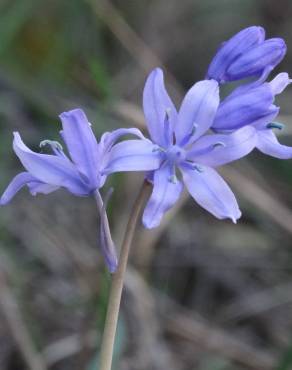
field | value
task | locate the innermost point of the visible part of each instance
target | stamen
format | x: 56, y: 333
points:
x: 198, y: 168
x: 167, y: 128
x: 167, y: 113
x: 188, y: 137
x: 276, y: 125
x: 194, y: 129
x: 172, y: 179
x: 53, y: 144
x: 219, y: 144
x: 158, y: 149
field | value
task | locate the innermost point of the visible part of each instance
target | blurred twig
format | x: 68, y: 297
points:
x: 263, y: 200
x: 130, y: 40
x: 150, y: 352
x: 185, y: 325
x: 258, y: 302
x: 68, y: 346
x: 19, y: 331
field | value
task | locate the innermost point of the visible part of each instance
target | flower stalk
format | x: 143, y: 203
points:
x: 117, y: 283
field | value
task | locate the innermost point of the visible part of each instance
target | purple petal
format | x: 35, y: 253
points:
x: 254, y: 61
x: 269, y: 116
x: 211, y: 192
x: 197, y: 111
x: 238, y: 110
x: 49, y: 169
x: 108, y: 139
x: 19, y: 181
x: 81, y: 143
x: 166, y: 191
x: 107, y: 245
x: 157, y: 106
x: 133, y: 155
x: 36, y: 187
x: 279, y: 83
x: 268, y: 144
x: 232, y: 49
x: 216, y: 150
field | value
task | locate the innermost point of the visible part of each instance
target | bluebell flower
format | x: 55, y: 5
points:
x: 81, y: 173
x: 179, y: 153
x: 253, y: 104
x: 246, y: 54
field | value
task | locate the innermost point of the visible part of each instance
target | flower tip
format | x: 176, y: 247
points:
x: 260, y: 29
x: 150, y: 224
x: 113, y: 266
x: 72, y: 112
x: 235, y: 218
x: 157, y: 70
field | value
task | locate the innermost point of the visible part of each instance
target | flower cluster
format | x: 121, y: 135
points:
x: 185, y: 146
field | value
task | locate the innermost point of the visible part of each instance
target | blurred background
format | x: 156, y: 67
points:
x: 201, y: 294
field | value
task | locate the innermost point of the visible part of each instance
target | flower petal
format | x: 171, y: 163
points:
x: 256, y: 59
x: 133, y: 155
x: 268, y: 143
x: 81, y: 143
x: 233, y: 48
x: 108, y: 139
x: 108, y: 247
x: 157, y: 106
x: 269, y: 116
x: 197, y: 111
x: 211, y: 192
x: 36, y: 187
x: 50, y: 169
x: 216, y: 150
x: 164, y: 195
x: 279, y: 83
x: 19, y: 181
x: 240, y: 109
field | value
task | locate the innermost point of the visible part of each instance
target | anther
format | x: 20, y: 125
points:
x: 198, y: 168
x: 53, y: 144
x: 220, y: 143
x: 172, y: 179
x: 194, y: 129
x: 167, y: 113
x: 276, y: 125
x: 158, y: 149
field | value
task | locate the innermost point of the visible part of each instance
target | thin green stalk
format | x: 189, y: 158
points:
x: 108, y: 338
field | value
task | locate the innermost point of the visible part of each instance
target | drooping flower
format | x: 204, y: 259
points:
x: 246, y: 54
x: 179, y: 144
x: 253, y: 104
x: 81, y: 174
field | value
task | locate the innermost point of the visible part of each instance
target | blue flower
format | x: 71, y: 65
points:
x: 180, y: 154
x: 253, y: 104
x: 81, y: 174
x: 246, y: 54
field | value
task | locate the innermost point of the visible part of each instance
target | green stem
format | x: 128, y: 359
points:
x: 108, y: 338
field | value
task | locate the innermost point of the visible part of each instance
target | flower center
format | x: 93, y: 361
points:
x: 175, y: 154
